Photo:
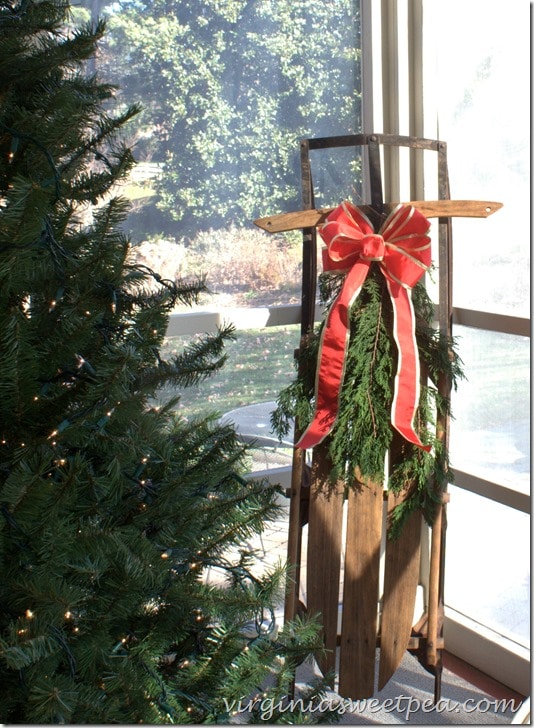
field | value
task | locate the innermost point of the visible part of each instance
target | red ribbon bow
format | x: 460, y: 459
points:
x: 402, y: 250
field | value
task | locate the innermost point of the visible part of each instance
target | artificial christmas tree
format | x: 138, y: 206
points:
x: 111, y: 508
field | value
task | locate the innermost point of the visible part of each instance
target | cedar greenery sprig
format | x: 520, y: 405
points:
x: 363, y: 434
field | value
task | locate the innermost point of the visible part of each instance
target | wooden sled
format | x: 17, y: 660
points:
x: 362, y: 584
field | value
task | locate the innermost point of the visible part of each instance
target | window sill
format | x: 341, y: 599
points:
x: 498, y: 657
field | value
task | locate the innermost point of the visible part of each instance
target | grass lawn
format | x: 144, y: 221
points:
x: 494, y: 399
x: 497, y: 368
x: 259, y: 365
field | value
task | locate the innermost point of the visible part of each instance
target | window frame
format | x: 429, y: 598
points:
x: 393, y: 102
x: 393, y: 70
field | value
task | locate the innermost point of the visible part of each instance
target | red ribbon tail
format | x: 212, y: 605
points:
x: 407, y: 379
x: 331, y: 365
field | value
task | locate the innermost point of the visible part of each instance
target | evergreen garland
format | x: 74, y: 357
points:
x: 363, y: 434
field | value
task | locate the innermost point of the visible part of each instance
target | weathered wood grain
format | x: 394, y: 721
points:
x: 361, y: 591
x: 430, y: 208
x: 401, y: 577
x: 324, y: 552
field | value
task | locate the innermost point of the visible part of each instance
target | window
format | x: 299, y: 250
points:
x: 444, y: 70
x: 485, y: 120
x: 490, y: 434
x: 228, y: 89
